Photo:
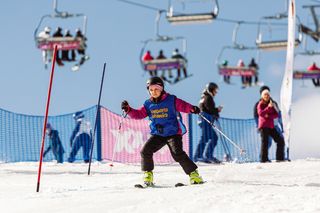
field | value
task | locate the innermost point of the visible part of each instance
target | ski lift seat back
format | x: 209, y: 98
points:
x: 275, y: 45
x: 189, y: 18
x: 301, y: 74
x: 237, y: 71
x: 165, y: 64
x: 63, y: 43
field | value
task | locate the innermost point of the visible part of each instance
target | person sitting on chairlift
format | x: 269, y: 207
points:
x: 65, y: 53
x: 82, y: 50
x: 244, y: 79
x: 148, y: 57
x: 46, y: 54
x: 313, y: 67
x: 177, y: 55
x: 253, y: 65
x: 162, y: 56
x: 226, y: 78
x: 58, y: 34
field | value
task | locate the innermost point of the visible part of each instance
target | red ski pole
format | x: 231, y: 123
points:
x: 46, y: 115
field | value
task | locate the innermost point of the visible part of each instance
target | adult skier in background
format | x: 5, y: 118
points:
x: 81, y: 137
x: 54, y: 144
x: 162, y: 109
x: 209, y: 138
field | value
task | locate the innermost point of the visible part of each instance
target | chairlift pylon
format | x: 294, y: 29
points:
x: 175, y: 17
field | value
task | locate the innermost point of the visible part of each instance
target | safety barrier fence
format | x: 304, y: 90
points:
x: 20, y: 137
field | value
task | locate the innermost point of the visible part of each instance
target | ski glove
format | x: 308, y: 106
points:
x: 195, y: 110
x: 125, y: 106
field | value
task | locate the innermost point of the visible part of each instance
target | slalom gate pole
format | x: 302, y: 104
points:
x: 46, y: 115
x: 124, y: 115
x: 96, y: 122
x: 242, y: 151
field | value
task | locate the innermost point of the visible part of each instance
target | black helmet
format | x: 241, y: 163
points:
x: 78, y: 115
x: 211, y: 86
x: 155, y: 81
x: 264, y: 88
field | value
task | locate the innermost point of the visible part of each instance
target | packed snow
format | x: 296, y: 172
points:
x: 253, y: 187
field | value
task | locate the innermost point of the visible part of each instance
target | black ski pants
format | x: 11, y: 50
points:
x: 276, y: 136
x: 156, y: 142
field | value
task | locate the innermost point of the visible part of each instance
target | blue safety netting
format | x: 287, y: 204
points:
x: 21, y: 135
x: 242, y: 132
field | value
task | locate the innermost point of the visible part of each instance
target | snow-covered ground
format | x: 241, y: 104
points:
x: 253, y: 187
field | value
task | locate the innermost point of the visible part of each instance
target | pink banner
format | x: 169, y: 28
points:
x: 127, y: 142
x: 61, y: 45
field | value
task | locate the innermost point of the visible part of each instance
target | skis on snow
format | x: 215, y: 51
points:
x: 143, y: 186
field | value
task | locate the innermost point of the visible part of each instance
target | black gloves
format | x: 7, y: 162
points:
x: 125, y: 106
x: 195, y: 110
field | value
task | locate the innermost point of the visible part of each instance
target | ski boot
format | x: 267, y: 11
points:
x: 195, y: 178
x: 148, y: 178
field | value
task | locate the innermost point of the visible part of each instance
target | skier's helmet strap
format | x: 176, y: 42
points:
x: 155, y: 81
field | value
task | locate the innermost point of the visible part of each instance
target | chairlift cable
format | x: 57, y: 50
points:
x: 140, y: 5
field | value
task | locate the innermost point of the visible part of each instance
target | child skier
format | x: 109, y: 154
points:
x: 162, y: 110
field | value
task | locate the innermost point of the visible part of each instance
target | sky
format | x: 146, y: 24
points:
x: 252, y: 187
x: 115, y: 31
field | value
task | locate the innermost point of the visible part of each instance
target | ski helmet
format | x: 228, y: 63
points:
x: 155, y: 81
x: 264, y: 88
x: 47, y: 29
x: 48, y: 126
x: 78, y: 115
x: 211, y: 86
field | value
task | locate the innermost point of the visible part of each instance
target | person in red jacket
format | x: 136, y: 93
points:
x: 148, y: 57
x: 314, y: 68
x: 267, y: 112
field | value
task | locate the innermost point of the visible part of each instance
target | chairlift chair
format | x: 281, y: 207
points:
x: 63, y: 43
x: 168, y: 63
x: 301, y: 74
x: 228, y: 70
x: 164, y: 64
x: 180, y: 17
x: 234, y: 70
x: 274, y: 45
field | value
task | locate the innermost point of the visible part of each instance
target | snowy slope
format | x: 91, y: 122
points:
x: 272, y: 187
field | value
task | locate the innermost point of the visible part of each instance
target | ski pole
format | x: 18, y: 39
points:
x: 96, y: 121
x: 242, y: 151
x: 224, y: 143
x: 124, y: 115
